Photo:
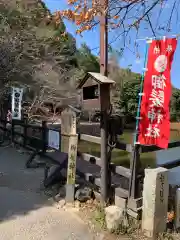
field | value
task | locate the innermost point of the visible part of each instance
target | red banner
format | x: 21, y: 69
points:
x: 154, y: 124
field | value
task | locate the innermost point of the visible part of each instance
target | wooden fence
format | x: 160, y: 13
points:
x: 29, y: 136
x: 127, y: 183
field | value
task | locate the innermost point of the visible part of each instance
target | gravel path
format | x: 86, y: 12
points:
x: 26, y: 213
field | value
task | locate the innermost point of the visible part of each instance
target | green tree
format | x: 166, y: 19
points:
x: 129, y: 96
x: 175, y: 105
x: 35, y: 53
x: 86, y: 60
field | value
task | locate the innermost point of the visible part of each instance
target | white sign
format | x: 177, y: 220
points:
x: 16, y: 96
x: 160, y: 63
x: 53, y: 139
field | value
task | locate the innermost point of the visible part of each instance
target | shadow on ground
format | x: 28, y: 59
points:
x: 20, y: 188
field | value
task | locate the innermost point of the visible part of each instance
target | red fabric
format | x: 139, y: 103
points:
x: 154, y: 125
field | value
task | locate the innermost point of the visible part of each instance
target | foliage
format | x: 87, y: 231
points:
x: 85, y: 13
x: 128, y: 102
x: 127, y: 84
x: 35, y: 53
x: 86, y: 60
x: 126, y: 17
x: 128, y: 97
x: 175, y: 105
x: 99, y: 217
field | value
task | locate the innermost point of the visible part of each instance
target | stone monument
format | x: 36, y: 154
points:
x: 69, y: 142
x: 155, y: 202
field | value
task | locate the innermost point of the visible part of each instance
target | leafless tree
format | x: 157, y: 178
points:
x: 29, y: 60
x: 127, y: 19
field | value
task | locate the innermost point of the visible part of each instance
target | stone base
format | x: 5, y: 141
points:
x: 134, y: 208
x: 121, y: 202
x: 134, y: 203
x: 135, y: 214
x: 70, y: 190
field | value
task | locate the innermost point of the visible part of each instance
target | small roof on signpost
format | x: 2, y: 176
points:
x: 98, y: 77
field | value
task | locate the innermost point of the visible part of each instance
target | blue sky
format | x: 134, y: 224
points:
x: 91, y: 38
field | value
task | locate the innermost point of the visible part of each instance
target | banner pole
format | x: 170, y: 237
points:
x: 158, y: 37
x: 140, y: 97
x: 135, y: 158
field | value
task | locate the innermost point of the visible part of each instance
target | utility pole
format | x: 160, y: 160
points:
x: 105, y: 104
x: 104, y: 39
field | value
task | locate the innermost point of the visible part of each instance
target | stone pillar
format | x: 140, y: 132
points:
x: 71, y: 171
x: 155, y: 201
x: 69, y: 142
x: 177, y: 209
x: 68, y: 128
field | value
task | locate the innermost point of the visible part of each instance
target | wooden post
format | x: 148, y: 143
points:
x: 105, y: 104
x: 69, y: 142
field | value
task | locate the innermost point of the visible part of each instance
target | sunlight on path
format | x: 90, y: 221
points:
x: 25, y: 213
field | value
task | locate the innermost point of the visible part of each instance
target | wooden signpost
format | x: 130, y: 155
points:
x: 69, y: 142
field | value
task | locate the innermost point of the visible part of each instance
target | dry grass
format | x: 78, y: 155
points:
x: 92, y: 213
